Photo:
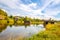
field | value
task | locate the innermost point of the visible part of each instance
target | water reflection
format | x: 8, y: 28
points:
x: 17, y: 32
x: 2, y: 27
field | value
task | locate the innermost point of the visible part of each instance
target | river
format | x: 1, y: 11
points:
x: 17, y: 32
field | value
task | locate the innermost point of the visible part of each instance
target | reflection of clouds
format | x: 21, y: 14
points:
x: 2, y: 27
x: 20, y: 32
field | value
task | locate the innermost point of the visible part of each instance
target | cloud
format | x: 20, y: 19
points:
x: 38, y: 9
x: 57, y: 1
x: 9, y: 3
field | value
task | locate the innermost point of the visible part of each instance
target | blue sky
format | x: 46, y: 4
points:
x: 43, y: 9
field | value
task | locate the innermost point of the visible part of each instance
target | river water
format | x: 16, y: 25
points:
x: 19, y: 32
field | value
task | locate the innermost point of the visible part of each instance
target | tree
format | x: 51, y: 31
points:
x: 3, y: 12
x: 11, y: 16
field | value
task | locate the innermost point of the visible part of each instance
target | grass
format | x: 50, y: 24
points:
x: 51, y: 33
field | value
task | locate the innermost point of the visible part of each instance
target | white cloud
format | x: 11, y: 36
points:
x: 56, y: 1
x: 49, y: 13
x: 25, y: 8
x: 9, y: 3
x: 33, y: 5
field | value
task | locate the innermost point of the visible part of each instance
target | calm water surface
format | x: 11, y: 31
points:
x: 17, y: 32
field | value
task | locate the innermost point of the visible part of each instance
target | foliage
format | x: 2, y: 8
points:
x: 3, y: 21
x: 3, y: 12
x: 10, y: 21
x: 51, y: 34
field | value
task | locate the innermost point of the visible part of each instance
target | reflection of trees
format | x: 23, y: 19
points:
x: 26, y: 25
x: 2, y: 27
x: 37, y: 24
x: 10, y: 25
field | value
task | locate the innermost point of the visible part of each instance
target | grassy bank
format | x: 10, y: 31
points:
x: 49, y: 34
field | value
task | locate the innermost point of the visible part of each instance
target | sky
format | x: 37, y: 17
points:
x: 42, y: 9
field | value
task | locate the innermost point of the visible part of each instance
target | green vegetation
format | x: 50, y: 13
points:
x: 49, y: 34
x: 3, y: 12
x: 3, y: 17
x: 52, y: 31
x: 11, y: 20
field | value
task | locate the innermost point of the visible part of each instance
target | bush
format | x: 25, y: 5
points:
x: 51, y: 34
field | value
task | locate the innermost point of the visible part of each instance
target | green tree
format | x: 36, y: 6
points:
x: 3, y: 12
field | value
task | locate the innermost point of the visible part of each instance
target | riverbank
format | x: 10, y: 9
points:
x: 49, y: 34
